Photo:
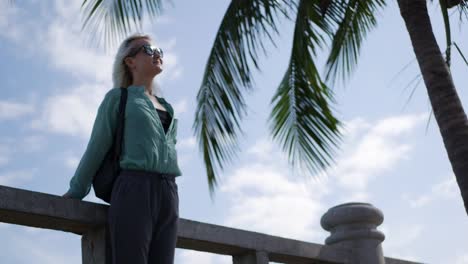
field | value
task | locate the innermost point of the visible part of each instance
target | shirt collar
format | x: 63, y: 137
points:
x: 138, y: 88
x: 161, y: 100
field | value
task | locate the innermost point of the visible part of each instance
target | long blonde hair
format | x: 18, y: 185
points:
x: 121, y: 74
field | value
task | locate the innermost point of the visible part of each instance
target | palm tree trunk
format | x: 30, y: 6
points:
x: 448, y: 110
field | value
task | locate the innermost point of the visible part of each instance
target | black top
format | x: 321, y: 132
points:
x: 165, y: 118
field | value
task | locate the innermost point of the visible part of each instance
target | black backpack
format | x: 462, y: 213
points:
x: 104, y: 179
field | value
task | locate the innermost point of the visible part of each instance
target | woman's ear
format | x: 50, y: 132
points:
x: 129, y: 62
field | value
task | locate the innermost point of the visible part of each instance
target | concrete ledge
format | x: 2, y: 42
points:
x: 49, y: 211
x: 230, y: 241
x: 54, y: 212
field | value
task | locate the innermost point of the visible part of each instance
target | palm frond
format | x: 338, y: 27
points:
x: 448, y: 35
x: 453, y: 3
x: 110, y: 21
x: 416, y: 81
x: 461, y: 53
x: 301, y: 119
x: 463, y: 10
x: 220, y: 100
x: 353, y: 20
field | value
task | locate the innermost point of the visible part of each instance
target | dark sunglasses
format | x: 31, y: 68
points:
x: 149, y: 50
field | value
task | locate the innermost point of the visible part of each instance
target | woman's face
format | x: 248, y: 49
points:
x: 142, y: 64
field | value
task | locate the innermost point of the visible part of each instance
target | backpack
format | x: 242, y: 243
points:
x: 104, y: 179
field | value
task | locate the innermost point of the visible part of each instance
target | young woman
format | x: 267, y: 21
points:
x: 144, y: 208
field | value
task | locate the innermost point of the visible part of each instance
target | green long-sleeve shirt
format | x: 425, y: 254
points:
x: 145, y: 144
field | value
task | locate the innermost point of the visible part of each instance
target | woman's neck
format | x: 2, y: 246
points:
x: 146, y: 83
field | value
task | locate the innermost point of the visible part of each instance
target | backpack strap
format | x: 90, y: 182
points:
x: 120, y: 125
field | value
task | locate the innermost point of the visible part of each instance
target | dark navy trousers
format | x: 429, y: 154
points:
x: 143, y: 218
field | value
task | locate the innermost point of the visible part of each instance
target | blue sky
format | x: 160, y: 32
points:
x: 53, y: 84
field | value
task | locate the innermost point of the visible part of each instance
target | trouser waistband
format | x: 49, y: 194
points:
x: 165, y: 176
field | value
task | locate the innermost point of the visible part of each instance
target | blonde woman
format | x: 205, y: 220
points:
x: 144, y: 207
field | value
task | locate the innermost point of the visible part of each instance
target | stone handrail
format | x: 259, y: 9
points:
x: 354, y: 237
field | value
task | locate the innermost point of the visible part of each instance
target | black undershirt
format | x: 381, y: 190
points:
x: 165, y: 119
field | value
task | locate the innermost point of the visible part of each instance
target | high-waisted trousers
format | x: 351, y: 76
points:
x: 143, y: 218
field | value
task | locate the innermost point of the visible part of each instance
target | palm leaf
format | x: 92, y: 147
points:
x: 112, y: 20
x: 353, y: 19
x: 301, y: 119
x: 453, y: 3
x: 461, y: 53
x: 448, y: 37
x: 220, y: 101
x: 463, y: 10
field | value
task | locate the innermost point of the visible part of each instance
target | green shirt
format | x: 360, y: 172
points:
x: 145, y: 144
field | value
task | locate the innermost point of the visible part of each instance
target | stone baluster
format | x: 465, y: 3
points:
x: 353, y: 226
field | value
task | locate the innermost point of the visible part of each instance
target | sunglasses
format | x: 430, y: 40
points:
x: 149, y: 50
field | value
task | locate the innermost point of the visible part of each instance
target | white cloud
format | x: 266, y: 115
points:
x: 17, y: 26
x: 27, y: 144
x: 399, y: 239
x: 15, y: 178
x: 463, y: 259
x: 72, y: 112
x: 172, y: 69
x: 186, y: 143
x: 198, y: 257
x: 446, y: 189
x: 4, y: 155
x: 420, y: 201
x: 14, y: 110
x: 44, y: 246
x: 354, y: 127
x: 397, y: 125
x: 6, y: 11
x: 180, y: 107
x: 68, y: 10
x: 264, y: 199
x: 164, y: 20
x: 9, y: 15
x: 355, y: 196
x: 379, y: 148
x: 67, y: 50
x: 33, y: 143
x: 263, y: 189
x: 72, y: 162
x: 262, y: 149
x: 69, y: 54
x: 176, y: 73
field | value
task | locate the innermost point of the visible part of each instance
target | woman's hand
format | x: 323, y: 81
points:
x: 67, y: 195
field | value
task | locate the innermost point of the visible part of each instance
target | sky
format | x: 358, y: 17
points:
x: 392, y: 154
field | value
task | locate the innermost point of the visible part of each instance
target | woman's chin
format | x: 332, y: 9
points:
x: 157, y: 71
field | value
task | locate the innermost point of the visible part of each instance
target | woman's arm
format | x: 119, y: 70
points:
x: 99, y: 144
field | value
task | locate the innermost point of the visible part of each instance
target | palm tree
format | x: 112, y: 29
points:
x: 446, y: 105
x: 302, y: 120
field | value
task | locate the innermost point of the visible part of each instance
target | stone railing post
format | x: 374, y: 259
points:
x: 94, y: 248
x: 353, y: 226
